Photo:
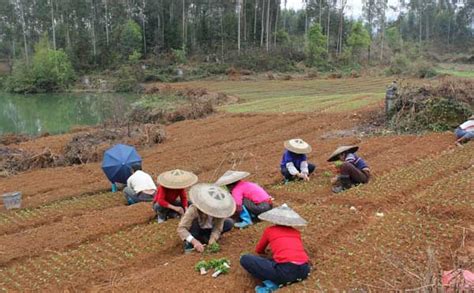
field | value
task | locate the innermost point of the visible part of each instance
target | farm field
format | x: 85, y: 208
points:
x: 75, y: 235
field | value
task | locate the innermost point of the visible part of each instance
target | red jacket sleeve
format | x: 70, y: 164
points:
x: 262, y: 244
x: 184, y: 199
x: 160, y: 197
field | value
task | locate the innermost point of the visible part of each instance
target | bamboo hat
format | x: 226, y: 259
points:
x: 283, y: 215
x: 177, y: 179
x: 212, y: 200
x: 230, y: 177
x: 345, y: 148
x: 297, y: 146
x: 471, y: 118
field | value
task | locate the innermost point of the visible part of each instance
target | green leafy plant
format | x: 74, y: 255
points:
x: 213, y: 248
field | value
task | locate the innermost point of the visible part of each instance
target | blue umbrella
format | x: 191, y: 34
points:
x: 117, y: 162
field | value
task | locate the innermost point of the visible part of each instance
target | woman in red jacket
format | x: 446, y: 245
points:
x: 290, y: 261
x: 171, y: 199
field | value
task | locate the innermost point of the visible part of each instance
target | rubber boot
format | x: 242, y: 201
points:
x: 114, y: 187
x: 246, y: 219
x: 343, y: 182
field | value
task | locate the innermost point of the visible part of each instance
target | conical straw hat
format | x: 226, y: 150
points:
x: 283, y: 215
x: 212, y: 200
x: 297, y: 146
x: 177, y: 179
x: 335, y: 155
x: 471, y: 118
x: 230, y: 177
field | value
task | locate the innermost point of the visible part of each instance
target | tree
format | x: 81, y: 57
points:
x: 358, y: 40
x: 130, y: 39
x: 316, y: 53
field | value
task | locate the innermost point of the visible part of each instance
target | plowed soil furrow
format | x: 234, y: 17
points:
x: 71, y: 232
x: 330, y: 230
x: 103, y: 258
x: 15, y: 221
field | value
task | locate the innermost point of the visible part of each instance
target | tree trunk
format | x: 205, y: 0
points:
x: 94, y: 45
x: 268, y: 25
x: 106, y: 22
x: 184, y: 25
x: 262, y: 29
x: 144, y: 28
x: 239, y: 8
x: 284, y: 17
x: 276, y: 24
x: 244, y: 15
x: 23, y: 25
x: 320, y: 12
x: 53, y: 24
x: 328, y: 29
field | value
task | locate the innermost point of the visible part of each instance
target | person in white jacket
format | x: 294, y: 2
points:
x: 465, y: 131
x: 140, y: 186
x: 294, y: 163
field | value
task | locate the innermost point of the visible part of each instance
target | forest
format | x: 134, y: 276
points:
x: 93, y: 36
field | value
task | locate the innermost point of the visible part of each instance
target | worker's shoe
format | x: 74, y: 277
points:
x: 242, y: 225
x: 160, y: 219
x: 188, y: 247
x: 343, y: 182
x: 267, y: 286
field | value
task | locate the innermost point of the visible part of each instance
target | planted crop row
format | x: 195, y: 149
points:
x: 102, y: 256
x: 397, y: 185
x: 394, y: 246
x: 452, y: 196
x: 14, y: 221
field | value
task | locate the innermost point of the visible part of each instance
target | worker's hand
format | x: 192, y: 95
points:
x: 300, y: 175
x: 334, y: 180
x: 305, y: 177
x: 197, y: 245
x: 179, y: 210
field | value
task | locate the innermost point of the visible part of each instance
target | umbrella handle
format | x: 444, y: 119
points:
x: 114, y: 187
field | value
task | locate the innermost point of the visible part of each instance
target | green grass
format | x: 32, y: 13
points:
x: 332, y: 95
x: 457, y: 70
x: 457, y: 73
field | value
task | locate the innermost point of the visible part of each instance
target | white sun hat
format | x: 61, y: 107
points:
x: 177, y: 179
x: 297, y: 146
x: 283, y: 215
x: 212, y: 200
x: 230, y: 177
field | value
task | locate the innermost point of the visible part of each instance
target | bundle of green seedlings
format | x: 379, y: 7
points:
x: 220, y: 266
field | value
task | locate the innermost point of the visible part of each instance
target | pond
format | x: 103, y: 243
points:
x: 57, y: 113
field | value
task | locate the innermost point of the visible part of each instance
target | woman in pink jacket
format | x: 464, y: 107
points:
x: 250, y: 198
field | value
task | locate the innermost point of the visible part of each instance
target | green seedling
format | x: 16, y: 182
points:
x: 327, y: 174
x: 338, y: 164
x: 213, y: 248
x: 202, y: 267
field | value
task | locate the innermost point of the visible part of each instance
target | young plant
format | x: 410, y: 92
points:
x: 213, y: 248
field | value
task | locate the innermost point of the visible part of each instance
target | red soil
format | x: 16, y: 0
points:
x: 249, y: 142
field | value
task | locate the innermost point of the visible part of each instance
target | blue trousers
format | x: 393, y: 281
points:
x: 460, y: 133
x: 279, y: 273
x: 288, y: 176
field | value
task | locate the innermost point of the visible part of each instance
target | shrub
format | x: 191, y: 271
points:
x: 423, y: 69
x: 179, y: 56
x: 50, y: 71
x: 398, y: 65
x: 127, y: 79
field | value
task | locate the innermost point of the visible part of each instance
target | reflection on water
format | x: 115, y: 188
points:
x: 56, y: 113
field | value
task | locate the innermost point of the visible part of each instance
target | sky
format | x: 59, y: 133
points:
x: 354, y: 7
